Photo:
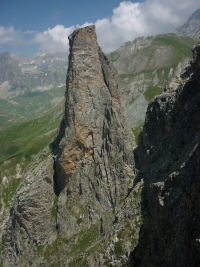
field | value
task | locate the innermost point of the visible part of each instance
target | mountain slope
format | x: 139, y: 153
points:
x: 145, y: 66
x: 20, y: 144
x: 31, y: 86
x: 192, y: 27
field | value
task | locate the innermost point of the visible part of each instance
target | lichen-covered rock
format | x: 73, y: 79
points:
x: 169, y: 162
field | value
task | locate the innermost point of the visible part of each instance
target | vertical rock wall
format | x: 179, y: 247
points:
x: 169, y: 162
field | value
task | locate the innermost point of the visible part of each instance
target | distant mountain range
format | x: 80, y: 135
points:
x: 24, y: 73
x: 31, y: 85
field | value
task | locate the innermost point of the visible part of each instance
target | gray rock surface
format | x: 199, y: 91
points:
x: 136, y: 111
x: 94, y: 149
x: 169, y: 162
x: 80, y: 207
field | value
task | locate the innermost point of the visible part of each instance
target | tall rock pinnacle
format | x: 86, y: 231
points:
x: 94, y: 147
x: 73, y: 202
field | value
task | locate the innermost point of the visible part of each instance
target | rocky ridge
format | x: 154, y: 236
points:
x: 80, y: 202
x: 168, y: 161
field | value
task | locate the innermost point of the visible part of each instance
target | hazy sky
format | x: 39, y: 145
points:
x: 30, y: 26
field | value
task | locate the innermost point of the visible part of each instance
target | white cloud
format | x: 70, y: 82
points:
x: 55, y: 39
x: 129, y: 20
x: 126, y: 23
x: 8, y: 34
x: 152, y: 17
x: 59, y: 34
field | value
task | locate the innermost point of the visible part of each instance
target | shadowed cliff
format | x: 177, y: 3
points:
x: 169, y: 162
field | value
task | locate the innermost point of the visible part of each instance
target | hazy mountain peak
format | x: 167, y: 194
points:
x: 192, y: 27
x: 195, y: 15
x: 9, y: 70
x: 5, y: 57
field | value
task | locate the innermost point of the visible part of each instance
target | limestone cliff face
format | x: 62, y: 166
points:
x: 169, y: 162
x: 91, y: 174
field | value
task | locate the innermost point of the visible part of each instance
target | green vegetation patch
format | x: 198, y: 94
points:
x: 19, y: 143
x: 151, y: 92
x: 114, y: 56
x: 24, y: 107
x: 118, y: 250
x: 53, y: 252
x: 181, y: 44
x: 79, y: 221
x: 77, y: 262
x: 136, y: 130
x: 9, y: 191
x: 40, y: 250
x: 55, y: 207
x: 87, y: 237
x: 28, y: 138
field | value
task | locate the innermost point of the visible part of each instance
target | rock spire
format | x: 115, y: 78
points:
x: 94, y: 146
x: 70, y: 203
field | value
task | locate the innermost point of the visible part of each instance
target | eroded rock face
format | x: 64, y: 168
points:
x: 30, y: 223
x: 94, y: 148
x: 91, y: 174
x: 169, y: 162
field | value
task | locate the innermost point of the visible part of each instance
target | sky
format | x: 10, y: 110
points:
x: 33, y: 26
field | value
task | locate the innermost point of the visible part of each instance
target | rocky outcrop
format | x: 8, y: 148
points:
x: 169, y: 162
x: 80, y: 201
